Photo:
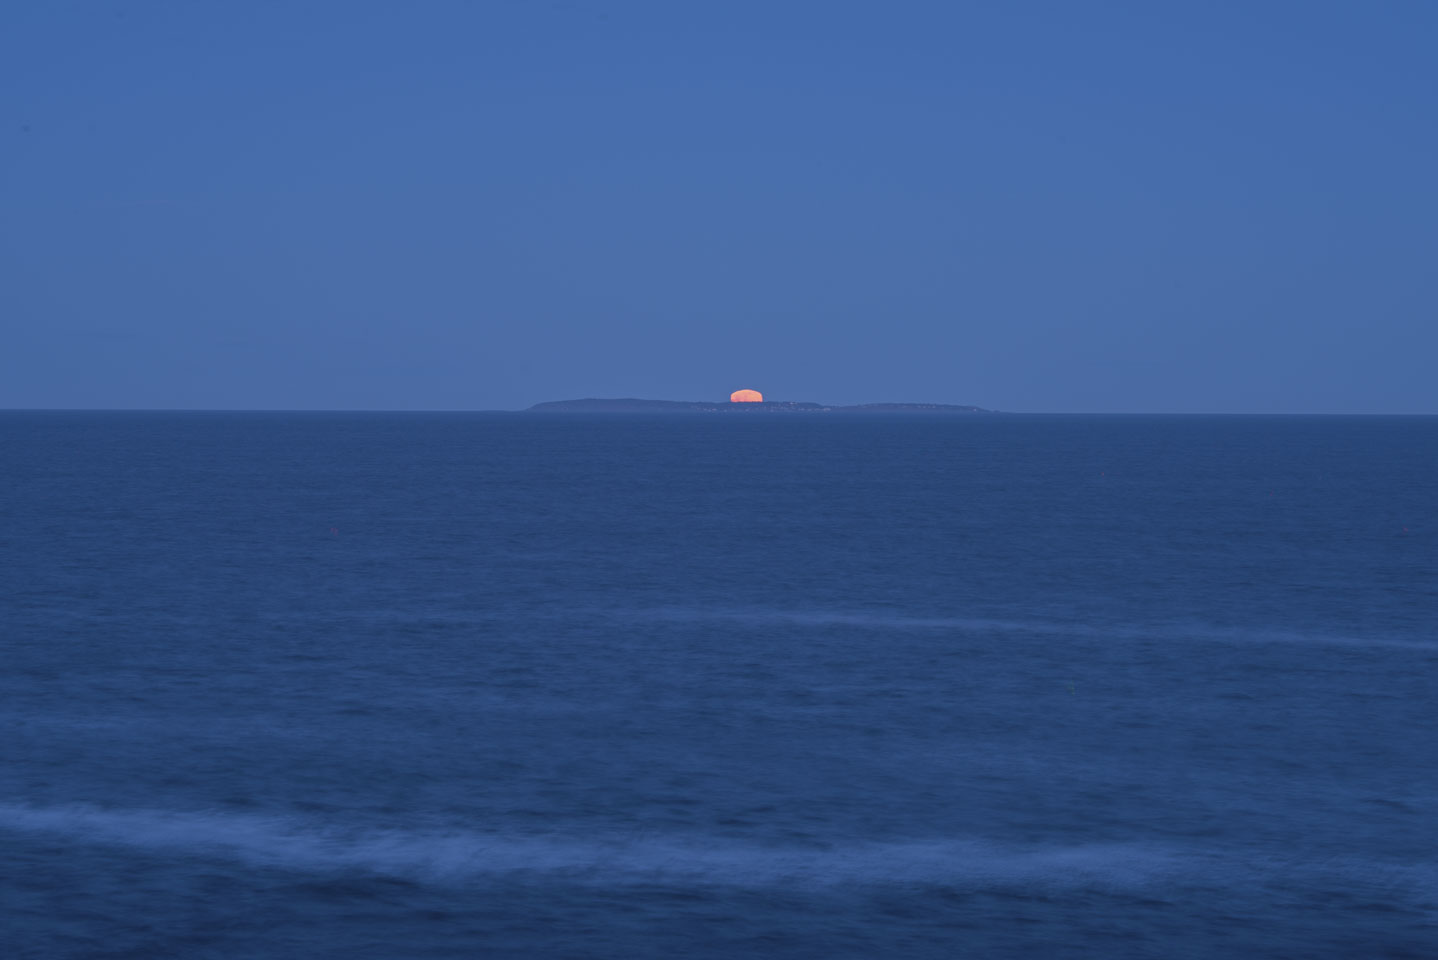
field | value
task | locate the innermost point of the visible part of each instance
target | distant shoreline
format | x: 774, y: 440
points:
x: 632, y: 405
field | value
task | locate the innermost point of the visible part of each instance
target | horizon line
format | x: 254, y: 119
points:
x: 473, y: 410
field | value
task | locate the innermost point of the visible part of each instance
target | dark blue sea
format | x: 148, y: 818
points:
x: 441, y: 686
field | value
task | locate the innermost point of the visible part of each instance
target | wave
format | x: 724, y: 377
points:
x: 457, y: 855
x: 1035, y: 627
x: 460, y: 855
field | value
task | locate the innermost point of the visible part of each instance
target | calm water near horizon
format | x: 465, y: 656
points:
x: 503, y: 685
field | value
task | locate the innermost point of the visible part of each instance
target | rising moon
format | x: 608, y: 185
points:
x: 746, y: 396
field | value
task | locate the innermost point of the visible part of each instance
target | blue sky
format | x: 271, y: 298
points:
x: 1032, y: 206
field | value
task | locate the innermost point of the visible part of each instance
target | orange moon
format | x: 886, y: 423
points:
x: 746, y: 396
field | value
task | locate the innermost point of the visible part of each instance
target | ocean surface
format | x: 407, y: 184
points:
x: 431, y: 686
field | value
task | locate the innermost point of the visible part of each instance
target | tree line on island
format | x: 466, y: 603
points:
x: 631, y: 405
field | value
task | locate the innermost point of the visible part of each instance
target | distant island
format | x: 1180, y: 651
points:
x: 629, y: 405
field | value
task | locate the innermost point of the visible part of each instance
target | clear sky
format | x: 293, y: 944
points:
x: 1032, y: 206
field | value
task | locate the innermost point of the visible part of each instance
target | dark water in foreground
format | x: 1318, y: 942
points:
x: 354, y: 686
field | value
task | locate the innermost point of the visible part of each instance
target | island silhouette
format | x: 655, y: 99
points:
x: 632, y: 405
